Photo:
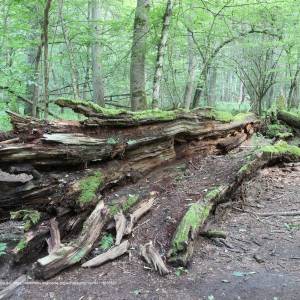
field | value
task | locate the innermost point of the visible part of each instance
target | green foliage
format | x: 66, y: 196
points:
x: 5, y: 124
x: 89, y: 186
x: 106, y: 242
x: 213, y: 193
x: 30, y: 217
x: 3, y: 247
x: 281, y: 147
x: 281, y: 103
x: 278, y: 131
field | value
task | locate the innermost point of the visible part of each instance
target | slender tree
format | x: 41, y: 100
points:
x: 160, y: 52
x: 98, y: 85
x: 138, y: 54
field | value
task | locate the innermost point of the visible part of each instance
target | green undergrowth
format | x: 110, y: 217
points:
x: 5, y: 124
x: 28, y: 216
x: 89, y: 186
x: 281, y: 147
x: 279, y: 131
x: 131, y: 200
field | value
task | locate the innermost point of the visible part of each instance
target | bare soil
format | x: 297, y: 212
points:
x: 260, y: 259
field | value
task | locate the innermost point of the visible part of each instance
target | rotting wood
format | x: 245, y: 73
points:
x: 73, y: 252
x: 153, y: 258
x: 54, y: 241
x: 289, y: 118
x: 143, y: 208
x: 120, y: 227
x: 111, y: 254
x: 182, y: 245
x: 280, y: 213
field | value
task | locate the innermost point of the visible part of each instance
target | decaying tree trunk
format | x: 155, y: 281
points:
x: 191, y: 225
x: 61, y: 169
x: 289, y: 119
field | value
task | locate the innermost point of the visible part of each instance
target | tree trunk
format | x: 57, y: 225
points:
x: 46, y: 63
x: 74, y: 72
x: 138, y: 54
x: 200, y: 87
x: 212, y: 86
x: 98, y: 85
x: 189, y: 88
x: 161, y: 52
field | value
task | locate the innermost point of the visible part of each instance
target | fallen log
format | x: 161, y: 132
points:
x: 72, y: 253
x: 190, y: 226
x: 289, y: 118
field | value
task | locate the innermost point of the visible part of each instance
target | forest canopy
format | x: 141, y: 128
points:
x: 236, y: 55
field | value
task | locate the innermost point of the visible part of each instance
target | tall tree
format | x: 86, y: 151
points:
x: 138, y: 54
x: 160, y: 52
x: 46, y: 62
x: 98, y: 85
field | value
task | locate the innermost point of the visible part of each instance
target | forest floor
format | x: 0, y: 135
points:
x: 260, y: 259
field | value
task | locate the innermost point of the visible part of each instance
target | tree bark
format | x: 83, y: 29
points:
x: 192, y: 65
x: 74, y: 71
x: 46, y: 63
x: 98, y: 85
x: 161, y: 52
x: 138, y: 54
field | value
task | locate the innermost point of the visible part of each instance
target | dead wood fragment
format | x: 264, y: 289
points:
x: 153, y: 258
x: 214, y: 234
x: 73, y: 252
x: 111, y: 254
x: 280, y: 213
x: 8, y: 292
x: 120, y: 221
x: 143, y: 208
x: 54, y: 241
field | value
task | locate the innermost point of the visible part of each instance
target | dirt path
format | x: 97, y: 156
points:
x: 217, y: 271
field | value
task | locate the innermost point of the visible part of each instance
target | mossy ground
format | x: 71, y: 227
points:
x: 89, y: 186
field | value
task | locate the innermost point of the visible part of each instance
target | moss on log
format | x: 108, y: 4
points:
x: 289, y: 118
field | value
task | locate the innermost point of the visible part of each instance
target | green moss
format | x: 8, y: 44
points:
x: 244, y: 168
x: 212, y: 193
x: 156, y: 114
x: 281, y: 147
x: 21, y: 245
x: 125, y: 207
x: 278, y: 131
x: 192, y: 220
x: 164, y: 115
x: 130, y: 202
x: 242, y: 116
x: 223, y: 116
x: 89, y: 186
